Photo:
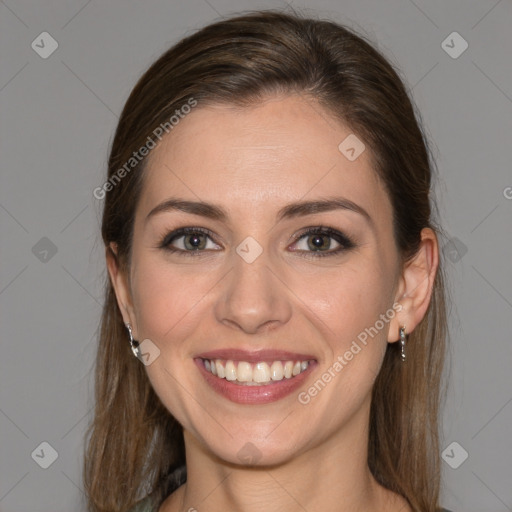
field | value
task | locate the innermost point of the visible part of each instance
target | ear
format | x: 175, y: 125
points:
x: 120, y: 282
x: 415, y: 286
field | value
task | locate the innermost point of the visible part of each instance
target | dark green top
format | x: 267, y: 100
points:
x: 144, y: 506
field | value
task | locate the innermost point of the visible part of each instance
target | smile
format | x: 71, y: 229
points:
x: 253, y: 378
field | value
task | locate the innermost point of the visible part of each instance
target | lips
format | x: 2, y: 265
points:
x: 254, y: 377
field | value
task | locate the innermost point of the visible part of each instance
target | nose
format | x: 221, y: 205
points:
x: 253, y: 298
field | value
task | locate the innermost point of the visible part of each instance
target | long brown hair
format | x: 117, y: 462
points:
x: 133, y: 443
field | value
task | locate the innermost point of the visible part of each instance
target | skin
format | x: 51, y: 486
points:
x: 252, y: 162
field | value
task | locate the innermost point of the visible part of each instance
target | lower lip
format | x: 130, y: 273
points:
x: 261, y: 394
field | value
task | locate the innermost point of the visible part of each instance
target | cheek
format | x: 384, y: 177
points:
x: 347, y: 308
x: 346, y: 305
x: 169, y: 302
x: 347, y: 299
x: 165, y: 297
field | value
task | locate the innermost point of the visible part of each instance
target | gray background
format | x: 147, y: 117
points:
x: 57, y: 120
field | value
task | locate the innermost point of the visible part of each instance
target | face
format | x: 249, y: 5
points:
x: 280, y: 258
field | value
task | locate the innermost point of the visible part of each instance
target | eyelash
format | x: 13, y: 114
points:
x: 345, y: 242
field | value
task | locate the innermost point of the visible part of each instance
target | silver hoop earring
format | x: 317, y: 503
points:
x: 133, y: 343
x: 402, y: 341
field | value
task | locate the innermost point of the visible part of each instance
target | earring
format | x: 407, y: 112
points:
x: 133, y: 343
x: 402, y: 341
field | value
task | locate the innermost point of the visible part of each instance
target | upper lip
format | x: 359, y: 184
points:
x: 256, y: 356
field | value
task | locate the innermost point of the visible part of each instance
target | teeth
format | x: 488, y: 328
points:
x: 276, y: 370
x: 261, y: 373
x: 220, y: 369
x: 244, y: 372
x: 254, y: 374
x: 230, y: 370
x: 288, y: 367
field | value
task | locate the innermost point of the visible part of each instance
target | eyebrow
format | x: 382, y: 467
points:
x: 292, y: 210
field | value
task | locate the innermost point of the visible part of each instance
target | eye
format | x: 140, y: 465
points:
x: 323, y: 240
x: 316, y: 241
x: 189, y: 240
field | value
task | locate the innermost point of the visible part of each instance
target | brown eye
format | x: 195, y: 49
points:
x: 194, y: 242
x: 319, y: 242
x: 188, y: 240
x: 322, y: 241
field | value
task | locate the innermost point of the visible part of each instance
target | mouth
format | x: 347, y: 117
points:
x: 257, y: 377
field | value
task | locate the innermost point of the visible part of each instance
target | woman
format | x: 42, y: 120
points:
x: 274, y: 269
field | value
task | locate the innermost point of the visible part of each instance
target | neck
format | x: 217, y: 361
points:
x: 332, y: 476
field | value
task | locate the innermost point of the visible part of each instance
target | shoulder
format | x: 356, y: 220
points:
x: 175, y: 479
x: 145, y: 505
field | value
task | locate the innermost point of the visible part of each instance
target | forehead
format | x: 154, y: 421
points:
x: 256, y: 159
